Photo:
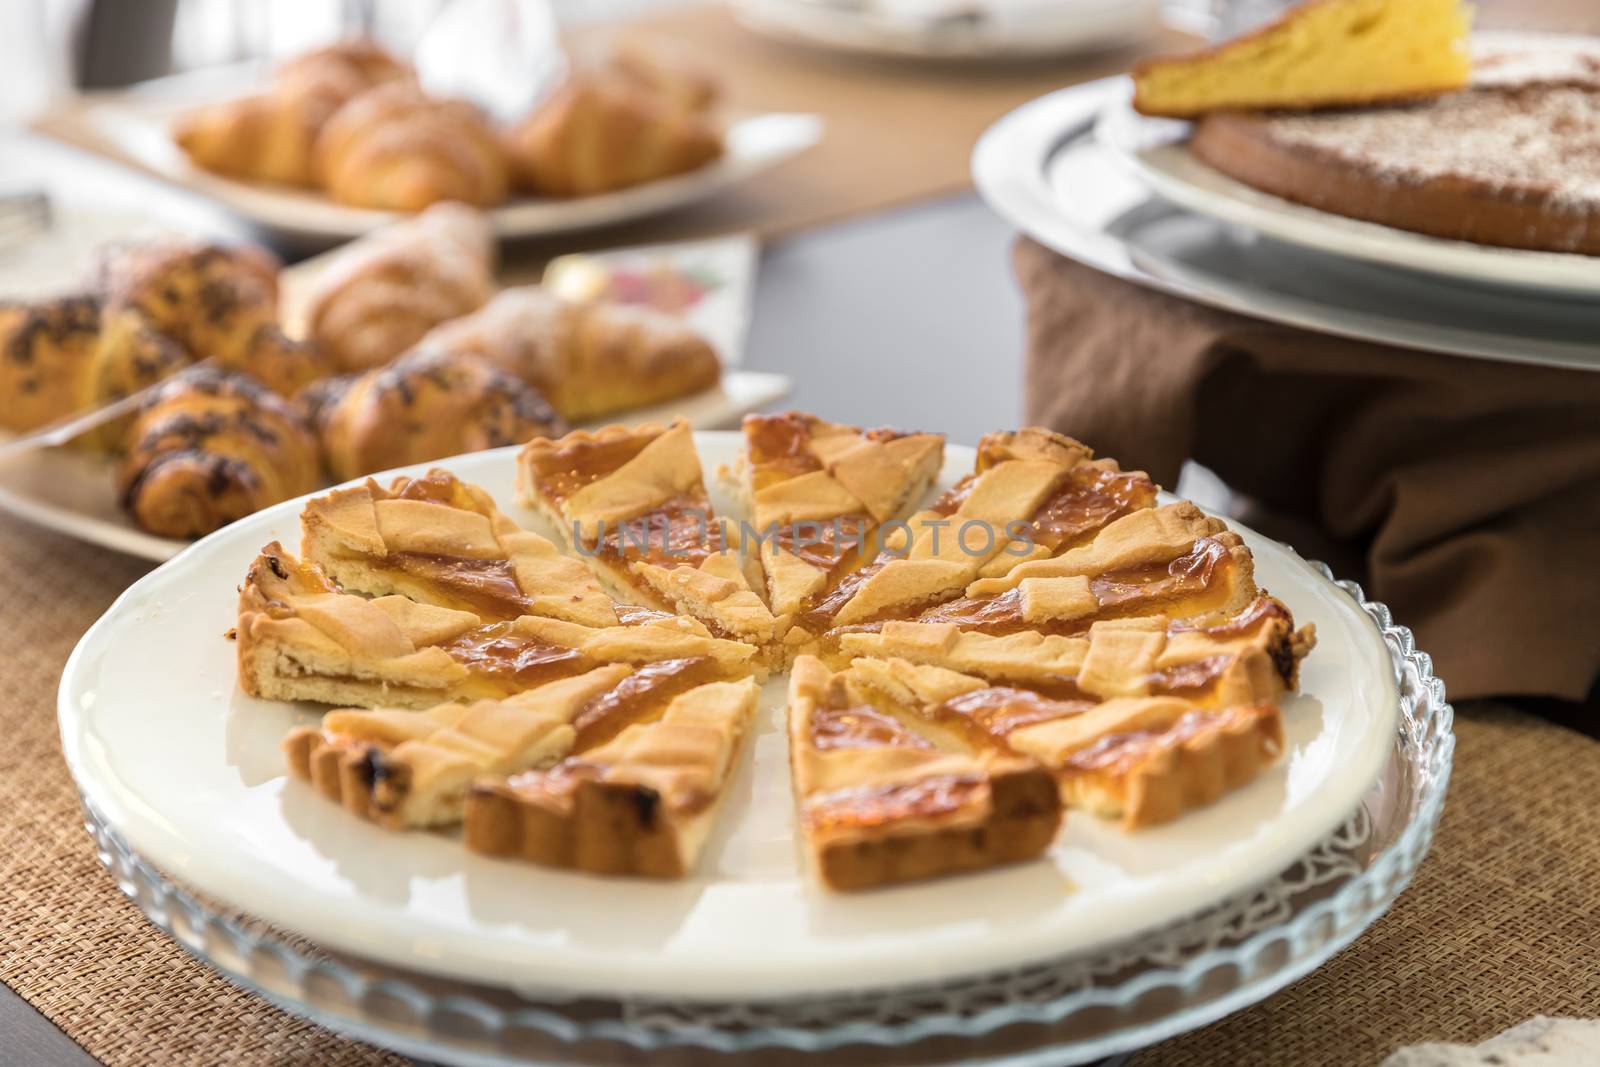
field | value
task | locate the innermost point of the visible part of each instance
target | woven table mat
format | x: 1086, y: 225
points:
x: 1499, y: 925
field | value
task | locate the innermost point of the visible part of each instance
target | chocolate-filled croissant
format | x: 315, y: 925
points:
x: 65, y: 355
x: 210, y: 446
x: 426, y: 405
x: 217, y: 301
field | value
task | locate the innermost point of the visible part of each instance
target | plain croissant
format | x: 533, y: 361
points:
x: 379, y: 295
x: 601, y: 132
x: 395, y: 148
x: 588, y: 359
x: 269, y: 136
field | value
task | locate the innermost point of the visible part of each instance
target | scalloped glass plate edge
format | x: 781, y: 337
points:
x: 1158, y: 985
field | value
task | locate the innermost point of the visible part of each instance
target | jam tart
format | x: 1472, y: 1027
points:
x: 633, y: 503
x: 819, y: 491
x: 439, y: 541
x: 1032, y: 495
x: 301, y: 638
x: 641, y: 801
x: 408, y: 769
x: 886, y: 794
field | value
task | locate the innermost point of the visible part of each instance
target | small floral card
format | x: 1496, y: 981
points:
x: 707, y: 283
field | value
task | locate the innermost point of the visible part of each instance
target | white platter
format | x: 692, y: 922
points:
x: 74, y: 493
x: 188, y: 771
x: 946, y: 31
x: 134, y: 126
x: 1042, y: 169
x: 1157, y: 151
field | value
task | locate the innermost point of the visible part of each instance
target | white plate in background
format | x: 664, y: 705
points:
x: 189, y: 772
x: 134, y: 125
x: 1042, y: 169
x: 1157, y: 151
x: 981, y: 30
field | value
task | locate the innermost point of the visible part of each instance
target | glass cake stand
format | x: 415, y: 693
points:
x: 1071, y: 1010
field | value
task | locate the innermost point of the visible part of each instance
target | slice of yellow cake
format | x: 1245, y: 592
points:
x: 1323, y: 53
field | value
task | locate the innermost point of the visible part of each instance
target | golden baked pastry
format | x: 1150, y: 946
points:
x: 397, y: 149
x: 208, y: 447
x: 637, y: 796
x: 408, y: 769
x: 62, y: 356
x: 301, y: 638
x: 670, y: 78
x: 1323, y: 53
x: 219, y: 302
x: 819, y: 493
x: 424, y: 406
x: 1032, y: 494
x: 268, y: 136
x: 1467, y: 166
x: 440, y: 541
x: 886, y: 793
x: 589, y: 359
x: 1121, y: 660
x: 599, y: 132
x: 1251, y: 657
x: 378, y: 295
x: 633, y: 503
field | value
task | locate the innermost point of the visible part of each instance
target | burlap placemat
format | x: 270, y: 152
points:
x: 1499, y: 925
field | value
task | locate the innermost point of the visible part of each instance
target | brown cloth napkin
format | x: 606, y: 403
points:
x: 1470, y: 488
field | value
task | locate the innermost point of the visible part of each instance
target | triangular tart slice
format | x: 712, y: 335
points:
x: 409, y: 769
x: 1032, y: 494
x: 632, y: 501
x: 1330, y: 53
x: 640, y: 801
x: 1252, y: 657
x: 302, y: 638
x: 817, y: 492
x: 887, y: 794
x: 1141, y: 759
x: 1175, y: 561
x: 438, y: 540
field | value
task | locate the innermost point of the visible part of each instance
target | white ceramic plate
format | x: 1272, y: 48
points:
x: 189, y: 771
x: 1041, y: 168
x: 981, y: 32
x: 74, y: 493
x: 1157, y: 151
x: 134, y: 125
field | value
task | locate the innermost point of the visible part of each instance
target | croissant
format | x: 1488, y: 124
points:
x: 598, y: 134
x: 208, y: 447
x: 663, y: 74
x: 380, y: 294
x: 426, y: 405
x: 269, y: 136
x: 217, y: 301
x: 64, y: 355
x: 588, y: 359
x: 397, y: 149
